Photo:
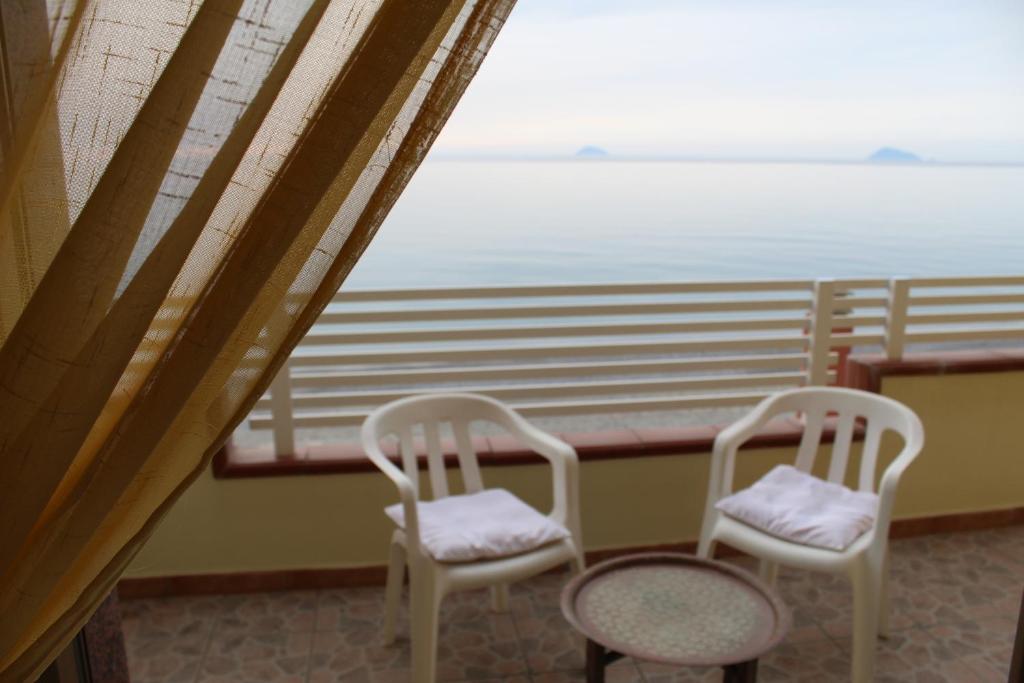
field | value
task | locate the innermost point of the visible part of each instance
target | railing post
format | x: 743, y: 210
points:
x: 281, y: 412
x: 820, y: 337
x: 896, y: 317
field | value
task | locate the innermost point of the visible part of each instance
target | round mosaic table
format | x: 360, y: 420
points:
x: 675, y: 609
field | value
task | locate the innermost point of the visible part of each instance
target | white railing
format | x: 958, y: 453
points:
x: 581, y: 349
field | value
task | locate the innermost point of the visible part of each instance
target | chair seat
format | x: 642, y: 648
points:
x: 485, y: 525
x: 799, y: 507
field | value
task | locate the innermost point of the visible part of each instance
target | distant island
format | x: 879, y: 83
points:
x: 888, y: 155
x: 591, y: 152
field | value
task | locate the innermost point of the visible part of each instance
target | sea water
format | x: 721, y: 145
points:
x: 477, y: 222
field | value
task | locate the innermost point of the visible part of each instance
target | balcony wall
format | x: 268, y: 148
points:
x: 973, y: 462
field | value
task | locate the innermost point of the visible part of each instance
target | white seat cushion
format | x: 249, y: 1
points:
x: 488, y: 524
x: 801, y: 508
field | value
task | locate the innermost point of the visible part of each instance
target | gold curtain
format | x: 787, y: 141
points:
x: 183, y: 187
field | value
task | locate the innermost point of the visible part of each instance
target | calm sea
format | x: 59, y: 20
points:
x: 473, y: 222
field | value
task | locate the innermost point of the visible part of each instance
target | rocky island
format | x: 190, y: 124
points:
x: 890, y: 155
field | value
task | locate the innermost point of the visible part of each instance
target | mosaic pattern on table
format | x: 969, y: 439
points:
x: 673, y: 612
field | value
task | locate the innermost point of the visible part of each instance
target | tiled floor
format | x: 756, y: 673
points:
x: 955, y: 603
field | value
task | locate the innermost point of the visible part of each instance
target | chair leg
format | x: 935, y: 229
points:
x: 577, y: 564
x: 865, y: 620
x: 768, y: 571
x: 393, y: 590
x: 499, y: 597
x: 883, y: 600
x: 425, y: 601
x: 707, y: 543
x: 706, y: 547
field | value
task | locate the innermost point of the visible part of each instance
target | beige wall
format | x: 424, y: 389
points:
x: 973, y: 460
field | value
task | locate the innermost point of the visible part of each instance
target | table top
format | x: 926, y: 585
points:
x: 676, y: 609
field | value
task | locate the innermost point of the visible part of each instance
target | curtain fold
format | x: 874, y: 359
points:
x: 214, y: 170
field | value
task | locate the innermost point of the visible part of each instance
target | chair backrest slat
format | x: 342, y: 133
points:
x: 435, y: 460
x: 841, y: 447
x: 468, y: 463
x: 814, y: 422
x: 869, y: 454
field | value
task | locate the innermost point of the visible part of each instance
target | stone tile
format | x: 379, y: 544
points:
x: 941, y: 561
x: 623, y: 671
x: 825, y: 602
x: 1008, y: 541
x: 985, y: 645
x: 353, y: 608
x: 952, y: 578
x: 467, y: 606
x: 912, y: 655
x: 277, y: 612
x: 479, y: 649
x: 336, y: 659
x: 818, y: 661
x: 550, y: 643
x: 815, y: 599
x: 266, y: 657
x: 664, y: 673
x: 181, y: 617
x: 539, y: 596
x: 165, y: 660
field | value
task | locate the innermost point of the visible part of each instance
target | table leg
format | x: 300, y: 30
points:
x: 744, y: 672
x: 598, y: 657
x: 595, y: 662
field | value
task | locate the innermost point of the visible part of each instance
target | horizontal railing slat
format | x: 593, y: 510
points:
x: 549, y: 351
x: 535, y: 331
x: 972, y: 317
x: 591, y: 289
x: 841, y: 321
x: 848, y: 302
x: 564, y: 311
x: 547, y: 370
x: 969, y: 281
x: 521, y: 391
x: 861, y: 283
x: 966, y: 300
x: 353, y: 419
x: 965, y: 335
x: 857, y: 339
x: 589, y: 330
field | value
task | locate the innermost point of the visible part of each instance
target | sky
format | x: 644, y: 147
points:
x: 749, y: 79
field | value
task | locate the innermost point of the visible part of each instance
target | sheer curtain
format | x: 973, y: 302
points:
x: 184, y: 185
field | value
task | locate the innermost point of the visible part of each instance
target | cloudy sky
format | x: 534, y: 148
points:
x: 750, y: 79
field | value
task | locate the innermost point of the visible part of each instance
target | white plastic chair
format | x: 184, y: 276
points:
x: 430, y: 580
x: 865, y: 561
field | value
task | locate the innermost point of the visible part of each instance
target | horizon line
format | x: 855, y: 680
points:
x: 471, y: 156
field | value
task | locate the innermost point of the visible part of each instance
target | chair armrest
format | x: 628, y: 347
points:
x: 728, y: 441
x: 891, y: 479
x: 406, y: 489
x: 564, y: 466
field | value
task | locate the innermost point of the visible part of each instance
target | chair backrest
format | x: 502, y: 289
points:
x: 850, y: 409
x: 407, y: 417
